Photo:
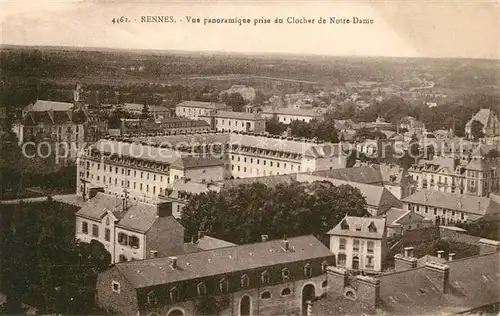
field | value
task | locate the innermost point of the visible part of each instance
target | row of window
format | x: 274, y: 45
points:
x: 235, y: 123
x: 123, y: 239
x: 129, y: 172
x: 127, y: 183
x: 355, y: 245
x: 257, y: 161
x: 417, y: 208
x: 342, y: 259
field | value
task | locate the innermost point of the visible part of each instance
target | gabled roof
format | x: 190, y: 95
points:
x: 139, y: 217
x: 209, y: 243
x: 99, y: 205
x: 43, y: 105
x: 362, y: 174
x: 364, y: 227
x: 465, y: 203
x: 152, y: 272
x: 482, y: 116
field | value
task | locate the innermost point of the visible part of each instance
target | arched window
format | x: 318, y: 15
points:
x: 176, y: 312
x: 265, y: 295
x: 202, y: 290
x: 286, y: 291
x: 285, y: 273
x: 264, y: 277
x: 151, y: 299
x: 122, y: 239
x: 308, y: 270
x: 245, y: 281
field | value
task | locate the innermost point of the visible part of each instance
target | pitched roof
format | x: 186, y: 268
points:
x: 465, y: 203
x: 98, y: 206
x: 364, y: 227
x: 393, y: 214
x: 270, y: 181
x: 205, y: 105
x: 429, y: 258
x: 43, y: 105
x: 482, y: 116
x: 209, y: 243
x: 139, y: 216
x: 188, y: 162
x: 193, y: 187
x: 362, y: 174
x: 473, y: 282
x: 193, y: 265
x: 478, y: 164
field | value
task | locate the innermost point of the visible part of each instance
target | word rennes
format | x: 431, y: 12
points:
x: 287, y: 20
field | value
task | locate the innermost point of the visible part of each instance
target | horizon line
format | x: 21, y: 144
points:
x: 179, y: 51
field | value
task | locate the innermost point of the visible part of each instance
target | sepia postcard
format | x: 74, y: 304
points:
x: 307, y: 158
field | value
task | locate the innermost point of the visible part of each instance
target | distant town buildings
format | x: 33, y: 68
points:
x: 248, y: 93
x: 359, y: 243
x: 155, y: 111
x: 161, y: 127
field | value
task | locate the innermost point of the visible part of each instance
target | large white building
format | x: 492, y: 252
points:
x: 359, y: 243
x: 148, y: 166
x: 194, y: 109
x: 235, y: 121
x: 288, y: 115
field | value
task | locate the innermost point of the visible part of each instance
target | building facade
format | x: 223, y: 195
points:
x: 265, y: 278
x: 194, y: 109
x: 288, y: 115
x: 129, y: 230
x: 359, y: 243
x: 227, y: 121
x: 143, y: 165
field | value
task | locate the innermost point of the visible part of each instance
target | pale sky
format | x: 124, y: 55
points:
x: 403, y: 29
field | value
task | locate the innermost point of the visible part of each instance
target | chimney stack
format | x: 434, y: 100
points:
x: 264, y: 238
x: 337, y: 280
x: 451, y: 256
x: 439, y: 274
x: 368, y: 290
x: 153, y: 254
x: 409, y: 252
x: 173, y: 262
x: 440, y: 254
x: 286, y: 244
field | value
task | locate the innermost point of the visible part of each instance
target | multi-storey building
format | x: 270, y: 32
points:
x: 448, y: 208
x: 155, y: 111
x: 478, y: 175
x: 143, y: 166
x: 168, y: 126
x: 275, y: 277
x: 359, y: 243
x: 489, y: 119
x: 194, y: 109
x: 129, y: 230
x: 287, y: 115
x: 227, y: 121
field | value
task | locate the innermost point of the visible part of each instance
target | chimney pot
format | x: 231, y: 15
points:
x: 286, y: 245
x: 153, y: 254
x: 173, y: 262
x: 439, y: 274
x: 440, y: 254
x: 264, y: 238
x: 409, y: 252
x: 451, y: 256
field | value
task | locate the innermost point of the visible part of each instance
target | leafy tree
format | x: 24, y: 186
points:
x: 476, y: 129
x: 260, y: 98
x: 234, y: 100
x: 46, y: 267
x: 493, y: 153
x: 145, y: 112
x: 244, y: 213
x: 275, y: 127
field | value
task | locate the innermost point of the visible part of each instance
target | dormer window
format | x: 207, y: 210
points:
x: 202, y: 290
x: 308, y: 270
x: 344, y: 225
x: 372, y: 228
x: 285, y: 273
x: 223, y: 285
x: 173, y: 294
x: 245, y: 281
x: 264, y: 277
x: 151, y: 299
